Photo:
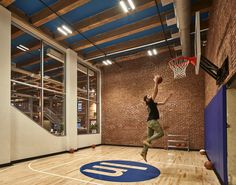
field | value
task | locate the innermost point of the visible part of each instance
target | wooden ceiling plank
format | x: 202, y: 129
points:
x: 137, y: 42
x: 106, y: 16
x: 60, y: 7
x: 6, y: 3
x: 129, y: 44
x: 123, y: 31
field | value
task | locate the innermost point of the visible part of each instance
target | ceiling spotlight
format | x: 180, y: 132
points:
x: 154, y: 51
x: 124, y: 7
x: 149, y: 52
x: 65, y: 30
x: 127, y: 5
x: 62, y: 31
x: 68, y: 30
x: 131, y: 4
x: 109, y: 62
x: 22, y: 48
x: 105, y: 62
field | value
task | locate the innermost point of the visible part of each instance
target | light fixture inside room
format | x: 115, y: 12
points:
x: 64, y: 30
x: 127, y: 5
x: 152, y: 52
x: 131, y: 3
x: 149, y: 52
x: 22, y: 48
x: 107, y: 62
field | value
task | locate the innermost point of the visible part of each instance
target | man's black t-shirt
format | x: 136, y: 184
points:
x: 152, y: 110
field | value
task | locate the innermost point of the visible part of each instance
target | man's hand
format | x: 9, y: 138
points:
x: 156, y: 77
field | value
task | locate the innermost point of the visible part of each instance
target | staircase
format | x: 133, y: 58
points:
x: 52, y: 116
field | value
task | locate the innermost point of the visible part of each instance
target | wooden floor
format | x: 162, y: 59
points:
x: 177, y: 167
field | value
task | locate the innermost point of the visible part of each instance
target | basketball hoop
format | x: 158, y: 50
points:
x: 179, y: 65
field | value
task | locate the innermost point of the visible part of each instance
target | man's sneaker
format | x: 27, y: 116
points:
x: 144, y: 156
x: 146, y: 143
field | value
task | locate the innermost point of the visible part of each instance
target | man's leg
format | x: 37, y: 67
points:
x: 150, y: 132
x: 155, y: 125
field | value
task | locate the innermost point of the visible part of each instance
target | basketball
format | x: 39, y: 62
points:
x: 208, y: 165
x: 71, y: 151
x: 160, y: 79
x: 202, y: 152
x: 93, y: 146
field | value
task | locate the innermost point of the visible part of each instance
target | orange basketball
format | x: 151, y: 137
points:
x: 208, y: 165
x: 160, y: 79
x: 202, y: 152
x: 93, y: 146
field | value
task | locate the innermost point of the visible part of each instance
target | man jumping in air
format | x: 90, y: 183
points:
x: 154, y: 129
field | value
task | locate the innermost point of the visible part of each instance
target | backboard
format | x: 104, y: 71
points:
x: 197, y: 42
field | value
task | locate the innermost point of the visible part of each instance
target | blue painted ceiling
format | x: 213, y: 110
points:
x: 93, y: 7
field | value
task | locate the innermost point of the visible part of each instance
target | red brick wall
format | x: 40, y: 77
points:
x: 221, y: 40
x: 124, y: 112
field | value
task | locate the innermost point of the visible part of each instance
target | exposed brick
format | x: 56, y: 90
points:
x: 124, y: 112
x: 221, y: 41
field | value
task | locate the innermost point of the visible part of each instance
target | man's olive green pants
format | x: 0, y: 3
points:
x: 154, y: 131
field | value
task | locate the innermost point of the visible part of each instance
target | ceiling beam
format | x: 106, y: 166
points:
x: 138, y: 55
x: 60, y: 7
x: 128, y: 44
x: 123, y: 31
x: 105, y: 17
x: 137, y: 42
x: 6, y: 3
x: 32, y: 61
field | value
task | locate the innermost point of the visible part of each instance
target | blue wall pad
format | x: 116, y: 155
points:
x: 216, y: 133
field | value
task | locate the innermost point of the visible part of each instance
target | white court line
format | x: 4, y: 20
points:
x: 62, y: 164
x: 61, y: 176
x: 189, y: 165
x: 7, y: 169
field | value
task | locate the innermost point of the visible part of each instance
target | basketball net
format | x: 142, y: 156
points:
x: 178, y: 66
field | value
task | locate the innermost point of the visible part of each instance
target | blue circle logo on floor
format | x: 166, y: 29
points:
x: 120, y: 171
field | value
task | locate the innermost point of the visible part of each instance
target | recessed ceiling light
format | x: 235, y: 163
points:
x: 109, y: 62
x: 124, y: 7
x: 154, y: 51
x: 24, y: 47
x: 68, y: 30
x: 62, y: 31
x: 149, y: 52
x: 105, y: 62
x: 20, y: 48
x: 131, y: 4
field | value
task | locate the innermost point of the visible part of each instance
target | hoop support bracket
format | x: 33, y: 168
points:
x: 219, y: 74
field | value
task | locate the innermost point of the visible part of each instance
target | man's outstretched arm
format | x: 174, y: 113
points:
x: 164, y: 102
x: 155, y: 91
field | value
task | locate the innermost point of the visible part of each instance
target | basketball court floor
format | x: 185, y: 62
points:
x: 177, y: 167
x: 117, y: 92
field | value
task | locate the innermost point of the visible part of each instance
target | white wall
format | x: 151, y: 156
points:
x: 5, y: 49
x: 88, y: 140
x: 20, y: 137
x: 28, y: 139
x: 71, y: 99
